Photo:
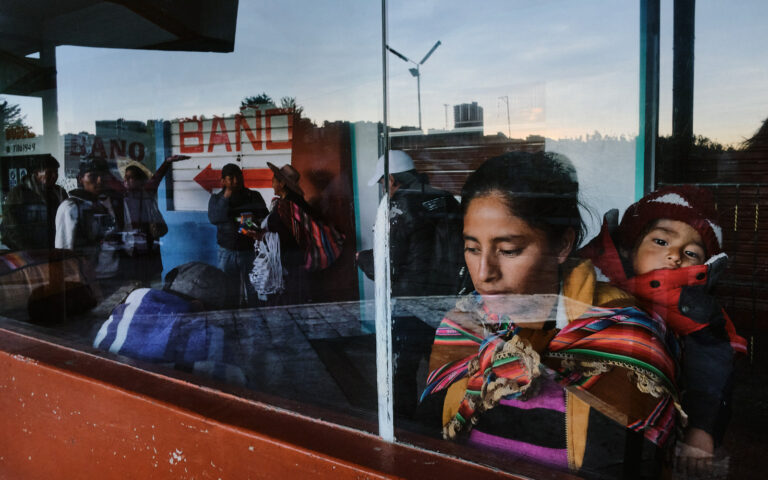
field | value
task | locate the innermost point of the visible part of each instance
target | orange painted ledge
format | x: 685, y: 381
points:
x: 69, y: 414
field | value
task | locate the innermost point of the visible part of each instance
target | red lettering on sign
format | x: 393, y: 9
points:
x: 136, y: 151
x: 219, y: 138
x: 115, y: 146
x: 98, y: 148
x: 196, y: 134
x: 278, y: 145
x: 242, y: 124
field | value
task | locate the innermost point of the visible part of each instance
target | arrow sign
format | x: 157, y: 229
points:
x: 209, y: 178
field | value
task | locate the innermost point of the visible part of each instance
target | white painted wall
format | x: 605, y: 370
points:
x: 365, y: 155
x: 606, y: 170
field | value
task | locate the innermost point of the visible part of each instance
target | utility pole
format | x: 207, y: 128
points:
x: 416, y: 72
x: 506, y: 100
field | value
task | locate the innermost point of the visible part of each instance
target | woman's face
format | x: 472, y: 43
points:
x: 505, y: 255
x: 132, y: 180
x: 277, y: 186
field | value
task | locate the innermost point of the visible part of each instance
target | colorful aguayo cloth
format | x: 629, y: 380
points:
x: 510, y: 398
x: 322, y: 243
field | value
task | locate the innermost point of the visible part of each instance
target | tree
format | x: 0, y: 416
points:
x: 10, y: 114
x: 261, y: 99
x: 759, y: 139
x: 12, y: 122
x: 289, y: 103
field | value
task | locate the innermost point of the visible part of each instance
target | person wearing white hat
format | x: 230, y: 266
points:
x: 399, y: 162
x: 421, y: 217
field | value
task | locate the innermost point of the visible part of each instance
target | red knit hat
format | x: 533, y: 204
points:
x: 685, y: 203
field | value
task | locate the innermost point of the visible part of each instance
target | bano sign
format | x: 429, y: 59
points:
x: 249, y: 139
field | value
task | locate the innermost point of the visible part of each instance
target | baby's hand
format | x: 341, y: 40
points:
x: 694, y: 458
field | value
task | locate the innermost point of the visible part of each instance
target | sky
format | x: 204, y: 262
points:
x: 556, y: 68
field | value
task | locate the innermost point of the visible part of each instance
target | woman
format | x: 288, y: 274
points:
x: 288, y: 193
x: 542, y: 361
x: 144, y: 224
x: 306, y: 244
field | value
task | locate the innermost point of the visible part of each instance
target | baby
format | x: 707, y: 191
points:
x: 667, y: 251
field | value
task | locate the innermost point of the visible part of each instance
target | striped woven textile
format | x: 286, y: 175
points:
x: 322, y: 244
x: 504, y: 367
x: 628, y: 338
x: 532, y: 428
x: 624, y: 337
x: 20, y: 259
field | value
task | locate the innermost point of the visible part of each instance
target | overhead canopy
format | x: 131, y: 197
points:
x: 30, y: 26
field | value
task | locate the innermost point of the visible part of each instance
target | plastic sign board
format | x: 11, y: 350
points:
x: 248, y: 139
x: 23, y: 146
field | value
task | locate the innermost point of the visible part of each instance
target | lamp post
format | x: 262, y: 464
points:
x: 416, y: 71
x: 506, y: 100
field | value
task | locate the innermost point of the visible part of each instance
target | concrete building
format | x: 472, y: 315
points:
x: 467, y: 115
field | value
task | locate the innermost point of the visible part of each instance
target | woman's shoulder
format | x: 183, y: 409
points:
x: 582, y: 289
x: 607, y: 295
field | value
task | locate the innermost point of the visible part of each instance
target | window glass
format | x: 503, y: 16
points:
x: 218, y: 194
x: 723, y: 151
x: 514, y: 108
x: 180, y: 136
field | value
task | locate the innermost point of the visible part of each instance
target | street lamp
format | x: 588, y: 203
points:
x: 415, y: 71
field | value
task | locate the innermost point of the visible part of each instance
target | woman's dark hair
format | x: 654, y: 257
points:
x: 138, y: 173
x: 541, y: 188
x: 47, y: 161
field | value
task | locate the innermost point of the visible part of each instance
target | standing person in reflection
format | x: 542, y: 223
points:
x: 425, y: 232
x: 29, y: 211
x: 298, y: 227
x: 225, y: 211
x: 91, y: 219
x: 144, y: 224
x: 528, y: 365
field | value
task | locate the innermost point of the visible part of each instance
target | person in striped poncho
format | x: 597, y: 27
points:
x: 543, y: 362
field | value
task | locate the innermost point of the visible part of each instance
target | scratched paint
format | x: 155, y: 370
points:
x: 177, y: 456
x: 383, y: 323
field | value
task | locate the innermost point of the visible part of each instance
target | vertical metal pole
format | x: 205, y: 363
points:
x: 509, y: 128
x: 50, y: 102
x: 418, y: 91
x: 682, y: 85
x: 384, y: 369
x: 645, y: 159
x: 753, y: 283
x: 445, y: 105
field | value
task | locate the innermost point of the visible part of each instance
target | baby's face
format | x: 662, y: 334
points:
x: 669, y: 244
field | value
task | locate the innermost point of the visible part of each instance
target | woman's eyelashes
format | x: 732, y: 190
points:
x: 507, y: 252
x: 510, y: 252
